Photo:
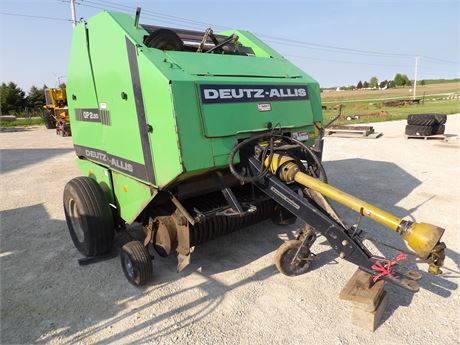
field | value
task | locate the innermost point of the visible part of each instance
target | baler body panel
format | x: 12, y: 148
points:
x: 121, y: 134
x: 244, y: 117
x: 140, y: 111
x: 232, y: 65
x: 131, y: 196
x: 101, y: 174
x: 81, y: 79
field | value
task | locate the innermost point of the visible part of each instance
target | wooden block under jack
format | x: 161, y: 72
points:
x: 370, y: 320
x: 361, y: 290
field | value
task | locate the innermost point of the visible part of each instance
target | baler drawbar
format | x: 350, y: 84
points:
x: 193, y: 135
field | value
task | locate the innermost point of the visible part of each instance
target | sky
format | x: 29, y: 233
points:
x: 380, y: 38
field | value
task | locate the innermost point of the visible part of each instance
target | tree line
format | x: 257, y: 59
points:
x: 399, y: 80
x: 15, y: 101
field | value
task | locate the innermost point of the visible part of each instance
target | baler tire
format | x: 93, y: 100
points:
x: 49, y: 121
x: 421, y: 131
x: 426, y: 119
x: 164, y: 39
x: 136, y: 263
x: 286, y: 253
x: 88, y: 216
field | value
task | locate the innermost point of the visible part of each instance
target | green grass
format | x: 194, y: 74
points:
x: 394, y: 113
x: 361, y: 107
x: 439, y: 81
x: 22, y: 122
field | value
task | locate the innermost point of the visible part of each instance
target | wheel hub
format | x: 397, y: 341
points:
x: 75, y: 220
x: 129, y: 266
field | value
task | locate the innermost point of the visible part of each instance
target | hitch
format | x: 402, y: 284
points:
x: 422, y: 238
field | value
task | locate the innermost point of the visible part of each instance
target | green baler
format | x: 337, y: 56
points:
x: 193, y: 135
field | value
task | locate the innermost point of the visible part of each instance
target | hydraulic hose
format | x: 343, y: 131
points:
x: 264, y: 169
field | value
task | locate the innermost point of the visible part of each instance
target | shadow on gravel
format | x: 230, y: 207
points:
x: 384, y: 184
x: 44, y: 291
x: 15, y: 129
x: 12, y: 159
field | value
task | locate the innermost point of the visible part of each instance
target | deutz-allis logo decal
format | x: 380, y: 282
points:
x: 224, y: 93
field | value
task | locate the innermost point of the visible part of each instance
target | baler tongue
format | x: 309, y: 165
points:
x: 292, y: 181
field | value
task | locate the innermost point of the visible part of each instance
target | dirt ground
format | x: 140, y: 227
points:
x: 231, y: 293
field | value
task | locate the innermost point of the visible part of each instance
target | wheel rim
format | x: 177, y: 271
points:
x: 129, y: 268
x: 298, y: 266
x: 76, y: 220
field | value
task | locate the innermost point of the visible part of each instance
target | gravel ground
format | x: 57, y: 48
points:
x: 231, y: 293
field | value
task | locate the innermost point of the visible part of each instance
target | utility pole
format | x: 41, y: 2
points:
x: 58, y: 79
x: 72, y: 11
x: 415, y: 76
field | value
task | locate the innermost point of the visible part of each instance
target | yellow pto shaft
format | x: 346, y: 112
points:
x: 421, y: 237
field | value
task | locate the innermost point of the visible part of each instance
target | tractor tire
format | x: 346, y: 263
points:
x: 89, y: 217
x: 136, y: 263
x: 164, y: 39
x: 439, y: 129
x: 426, y: 119
x: 49, y: 120
x: 421, y: 131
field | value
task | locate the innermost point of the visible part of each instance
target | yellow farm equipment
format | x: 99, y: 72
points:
x: 56, y: 115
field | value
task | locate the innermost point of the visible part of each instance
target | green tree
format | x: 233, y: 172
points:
x: 422, y: 82
x: 391, y: 84
x: 365, y: 84
x: 359, y: 85
x: 62, y: 85
x: 36, y: 97
x: 374, y: 82
x: 12, y: 98
x: 406, y: 81
x: 398, y: 80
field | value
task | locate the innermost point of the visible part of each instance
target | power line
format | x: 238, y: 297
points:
x: 283, y: 40
x: 169, y: 20
x: 289, y: 42
x: 437, y: 59
x: 346, y: 61
x: 279, y: 40
x: 357, y: 53
x: 355, y: 62
x: 323, y: 46
x: 159, y: 19
x: 292, y: 44
x: 154, y: 13
x: 32, y: 16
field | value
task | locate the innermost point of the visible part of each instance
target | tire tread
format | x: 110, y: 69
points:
x: 421, y: 131
x: 141, y: 260
x: 426, y: 119
x: 95, y: 214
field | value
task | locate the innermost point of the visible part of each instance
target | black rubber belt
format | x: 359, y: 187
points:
x: 143, y: 127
